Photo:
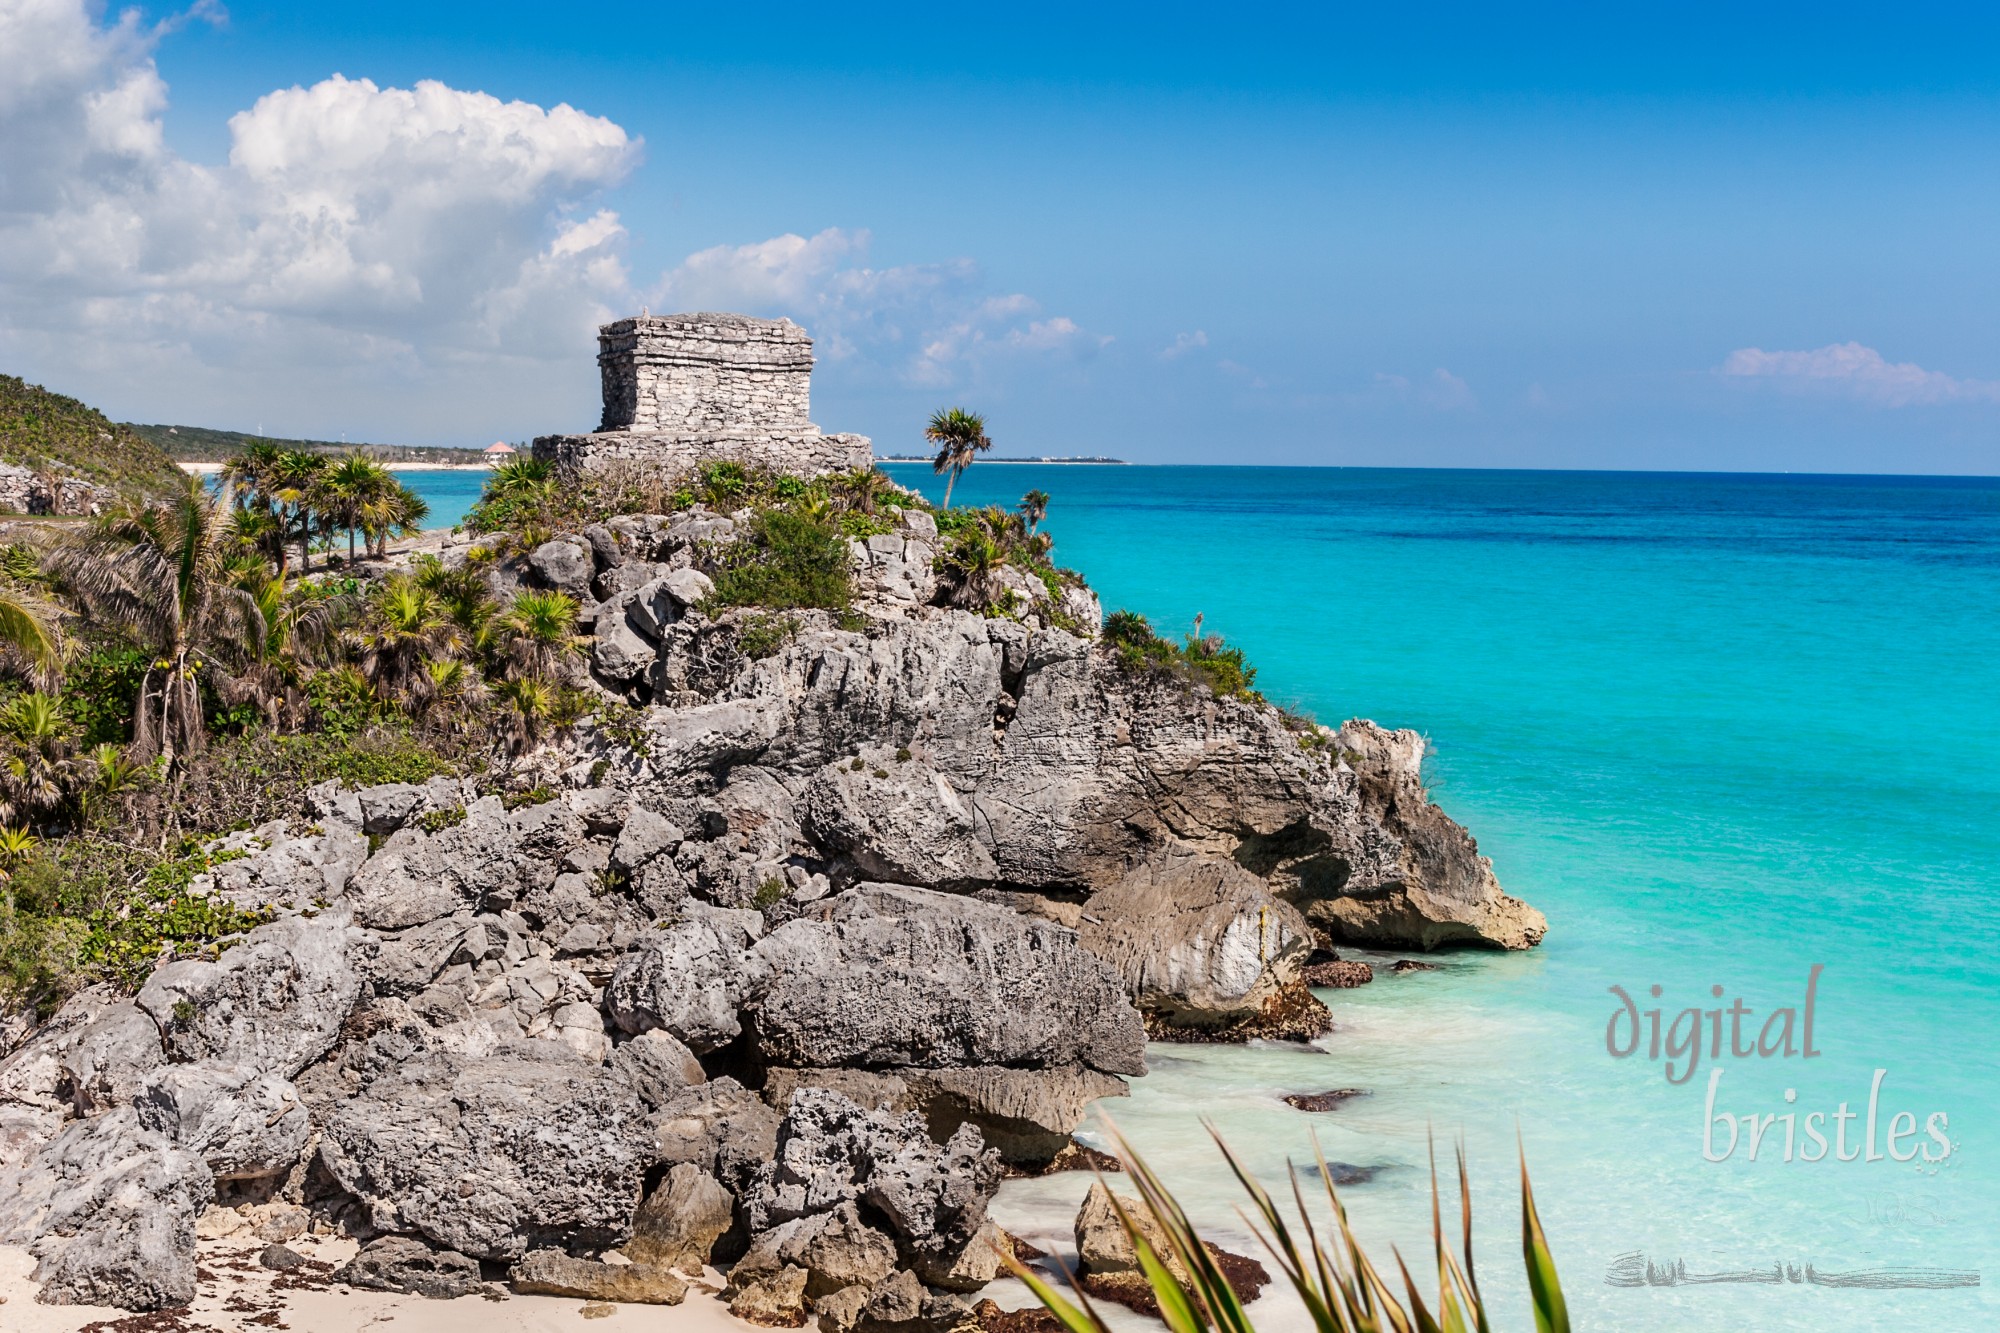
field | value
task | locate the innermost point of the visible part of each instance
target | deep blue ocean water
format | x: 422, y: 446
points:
x: 1721, y: 729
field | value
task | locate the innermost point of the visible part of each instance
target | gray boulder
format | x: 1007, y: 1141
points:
x: 835, y: 1248
x: 678, y: 1224
x: 274, y: 1003
x: 658, y: 1067
x: 105, y: 1063
x: 896, y: 819
x: 109, y: 1209
x: 244, y: 1123
x: 565, y: 566
x: 684, y: 980
x: 553, y: 1273
x: 831, y: 1153
x: 406, y: 1264
x: 488, y: 861
x: 721, y: 1127
x: 492, y: 1156
x: 885, y: 976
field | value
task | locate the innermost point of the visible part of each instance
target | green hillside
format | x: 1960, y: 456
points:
x: 202, y: 444
x: 39, y: 429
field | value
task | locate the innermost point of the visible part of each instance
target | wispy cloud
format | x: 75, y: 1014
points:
x: 1182, y: 344
x: 922, y: 323
x: 1441, y: 391
x: 1853, y: 371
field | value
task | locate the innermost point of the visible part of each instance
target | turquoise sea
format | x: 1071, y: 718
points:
x: 1722, y: 729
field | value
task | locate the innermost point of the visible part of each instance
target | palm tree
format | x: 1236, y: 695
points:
x: 864, y: 489
x: 529, y: 703
x: 160, y: 575
x: 106, y: 771
x: 1034, y: 507
x: 960, y: 437
x: 395, y: 511
x: 350, y: 488
x: 540, y: 630
x: 970, y: 566
x: 297, y: 485
x: 30, y: 637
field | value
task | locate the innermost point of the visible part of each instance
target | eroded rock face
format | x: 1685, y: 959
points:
x: 684, y: 980
x: 245, y: 1124
x: 274, y: 1003
x: 492, y: 1156
x: 404, y: 1263
x: 1198, y: 940
x: 884, y: 976
x: 109, y: 1209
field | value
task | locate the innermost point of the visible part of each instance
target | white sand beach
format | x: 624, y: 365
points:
x: 237, y: 1295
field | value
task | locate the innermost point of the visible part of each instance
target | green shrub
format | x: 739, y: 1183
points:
x: 763, y: 636
x: 87, y: 911
x: 1203, y: 659
x: 437, y: 821
x: 770, y: 893
x: 101, y: 692
x: 788, y: 563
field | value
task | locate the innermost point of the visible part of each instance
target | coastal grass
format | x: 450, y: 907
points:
x: 1341, y: 1289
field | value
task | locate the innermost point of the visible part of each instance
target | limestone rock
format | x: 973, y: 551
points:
x: 884, y: 976
x: 1028, y: 1115
x: 564, y: 565
x: 275, y: 1002
x: 105, y: 1063
x: 678, y: 1224
x: 776, y: 1300
x: 553, y: 1273
x: 836, y: 1249
x: 896, y: 819
x: 682, y: 979
x: 720, y: 1126
x: 1337, y: 974
x: 657, y: 1066
x: 492, y: 1156
x: 1102, y: 1243
x: 244, y: 1123
x: 109, y: 1208
x: 1198, y: 940
x: 404, y: 1263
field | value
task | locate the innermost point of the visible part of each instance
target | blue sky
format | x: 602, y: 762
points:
x: 1469, y: 237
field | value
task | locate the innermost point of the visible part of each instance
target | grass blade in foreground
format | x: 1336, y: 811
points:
x: 1339, y: 1287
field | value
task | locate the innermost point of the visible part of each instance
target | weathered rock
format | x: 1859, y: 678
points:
x: 106, y: 1062
x: 1322, y: 1101
x: 720, y: 1126
x: 644, y: 836
x: 245, y: 1124
x: 883, y: 976
x: 657, y: 1066
x: 896, y: 819
x: 1338, y: 974
x: 1027, y: 1115
x: 1406, y: 965
x: 832, y: 1152
x: 281, y: 1258
x: 682, y: 979
x: 488, y: 861
x: 275, y: 1002
x: 492, y: 1156
x: 553, y: 1273
x: 564, y: 565
x: 836, y: 1249
x: 109, y: 1208
x: 776, y: 1300
x: 404, y: 1263
x: 1440, y: 890
x: 1104, y: 1246
x: 1197, y: 939
x: 678, y: 1224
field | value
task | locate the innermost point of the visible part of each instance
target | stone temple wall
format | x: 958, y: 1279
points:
x: 684, y: 390
x: 705, y: 373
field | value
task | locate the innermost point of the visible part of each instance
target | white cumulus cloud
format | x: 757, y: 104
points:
x: 355, y: 230
x: 1854, y: 371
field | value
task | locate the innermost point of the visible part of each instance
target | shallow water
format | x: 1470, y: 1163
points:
x: 1720, y: 729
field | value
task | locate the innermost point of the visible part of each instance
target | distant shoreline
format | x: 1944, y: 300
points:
x: 206, y: 468
x: 1065, y: 462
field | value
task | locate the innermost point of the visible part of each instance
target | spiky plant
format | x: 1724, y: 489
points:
x: 971, y: 564
x: 528, y: 704
x: 539, y: 633
x: 1339, y: 1286
x: 960, y: 437
x: 404, y: 627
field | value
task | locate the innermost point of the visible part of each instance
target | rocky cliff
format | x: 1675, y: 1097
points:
x: 779, y: 970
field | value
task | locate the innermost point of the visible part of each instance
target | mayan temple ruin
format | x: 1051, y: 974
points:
x: 684, y: 390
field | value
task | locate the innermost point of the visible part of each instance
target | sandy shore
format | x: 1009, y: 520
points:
x: 236, y: 1295
x: 204, y: 469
